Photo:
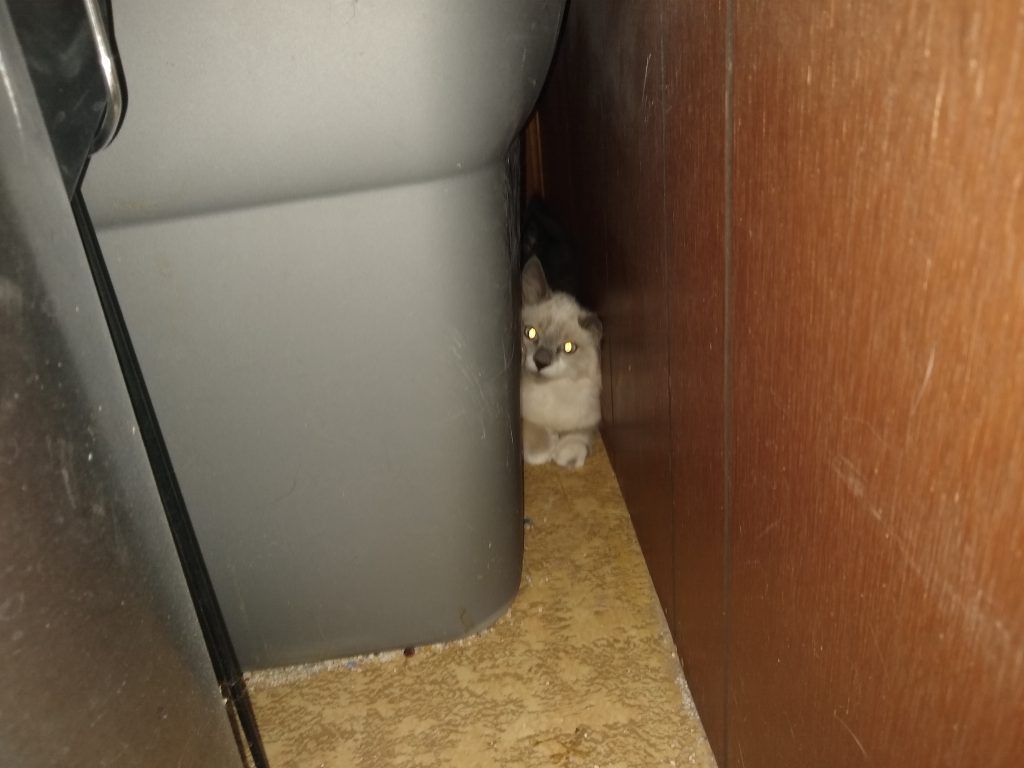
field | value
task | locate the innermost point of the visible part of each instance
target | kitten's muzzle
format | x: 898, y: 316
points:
x: 542, y: 358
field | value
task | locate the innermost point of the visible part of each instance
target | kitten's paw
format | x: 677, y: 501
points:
x: 536, y: 457
x: 538, y: 444
x: 571, y: 453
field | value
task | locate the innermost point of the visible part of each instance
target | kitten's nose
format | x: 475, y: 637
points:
x: 542, y: 358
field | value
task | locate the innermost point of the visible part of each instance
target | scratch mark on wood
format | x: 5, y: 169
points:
x: 875, y: 433
x: 977, y: 610
x: 768, y: 529
x: 847, y: 471
x: 924, y: 384
x: 853, y: 735
x: 939, y: 95
x: 647, y: 69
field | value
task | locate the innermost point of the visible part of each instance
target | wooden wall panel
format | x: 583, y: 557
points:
x: 615, y: 156
x: 868, y: 458
x: 878, y: 520
x: 695, y: 37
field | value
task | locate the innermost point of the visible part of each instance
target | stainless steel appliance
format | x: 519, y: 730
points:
x: 111, y: 652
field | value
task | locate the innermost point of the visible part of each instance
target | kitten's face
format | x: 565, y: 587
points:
x: 560, y: 340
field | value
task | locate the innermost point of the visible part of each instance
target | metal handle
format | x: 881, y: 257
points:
x: 115, y: 98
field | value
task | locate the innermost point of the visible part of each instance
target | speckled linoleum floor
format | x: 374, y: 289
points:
x: 580, y: 672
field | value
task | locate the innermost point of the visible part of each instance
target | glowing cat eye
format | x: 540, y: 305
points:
x: 568, y: 347
x: 531, y: 333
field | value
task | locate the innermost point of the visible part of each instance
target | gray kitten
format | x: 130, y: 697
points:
x: 561, y: 377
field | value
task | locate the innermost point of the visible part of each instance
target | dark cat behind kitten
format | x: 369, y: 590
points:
x: 544, y: 238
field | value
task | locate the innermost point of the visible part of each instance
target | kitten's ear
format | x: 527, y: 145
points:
x: 535, y: 285
x: 591, y: 322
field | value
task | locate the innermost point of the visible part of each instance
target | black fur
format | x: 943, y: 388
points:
x: 544, y: 237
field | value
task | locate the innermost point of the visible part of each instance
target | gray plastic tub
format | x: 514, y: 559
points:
x: 309, y: 218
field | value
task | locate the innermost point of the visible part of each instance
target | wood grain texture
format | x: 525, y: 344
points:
x: 878, y: 536
x: 694, y: 35
x: 614, y: 153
